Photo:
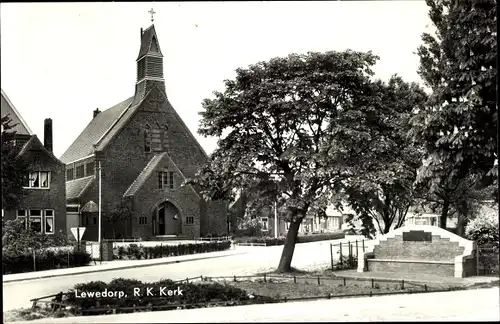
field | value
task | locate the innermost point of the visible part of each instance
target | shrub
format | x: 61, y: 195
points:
x: 483, y: 229
x: 136, y: 252
x: 269, y: 241
x: 44, y: 260
x: 192, y: 293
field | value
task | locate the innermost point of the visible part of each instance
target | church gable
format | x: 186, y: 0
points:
x: 161, y: 174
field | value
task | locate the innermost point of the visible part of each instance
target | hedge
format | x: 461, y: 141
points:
x: 191, y: 293
x: 13, y: 262
x: 281, y: 240
x: 137, y: 252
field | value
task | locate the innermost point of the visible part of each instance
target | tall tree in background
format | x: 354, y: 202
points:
x: 14, y: 169
x: 299, y: 125
x: 383, y: 196
x: 459, y: 124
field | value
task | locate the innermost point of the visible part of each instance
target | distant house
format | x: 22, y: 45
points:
x: 44, y: 207
x: 145, y: 152
x: 330, y: 221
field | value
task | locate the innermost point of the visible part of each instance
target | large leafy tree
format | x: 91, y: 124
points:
x: 459, y: 124
x: 300, y: 125
x: 382, y: 196
x: 14, y: 168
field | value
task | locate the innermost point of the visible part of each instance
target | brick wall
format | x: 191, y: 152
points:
x: 425, y: 249
x: 440, y: 249
x: 53, y: 198
x: 446, y: 270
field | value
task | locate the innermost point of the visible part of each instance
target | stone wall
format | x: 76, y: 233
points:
x: 422, y: 249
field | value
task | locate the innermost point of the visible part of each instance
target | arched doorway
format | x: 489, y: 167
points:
x: 169, y: 219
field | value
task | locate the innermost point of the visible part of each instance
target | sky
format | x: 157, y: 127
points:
x: 64, y: 60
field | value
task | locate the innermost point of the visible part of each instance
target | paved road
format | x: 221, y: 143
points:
x: 469, y: 305
x: 257, y: 259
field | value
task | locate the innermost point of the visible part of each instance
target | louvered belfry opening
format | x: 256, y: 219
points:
x: 149, y: 64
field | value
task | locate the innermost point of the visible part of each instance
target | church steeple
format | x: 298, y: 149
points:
x: 149, y: 63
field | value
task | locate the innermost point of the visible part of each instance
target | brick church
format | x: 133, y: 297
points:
x: 145, y: 152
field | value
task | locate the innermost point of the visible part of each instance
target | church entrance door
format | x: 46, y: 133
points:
x: 169, y: 219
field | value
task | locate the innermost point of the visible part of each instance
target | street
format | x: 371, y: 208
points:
x: 257, y: 259
x: 468, y: 305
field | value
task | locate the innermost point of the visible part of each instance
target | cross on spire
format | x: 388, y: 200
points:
x: 152, y: 12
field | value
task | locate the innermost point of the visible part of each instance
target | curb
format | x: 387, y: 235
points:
x: 120, y: 268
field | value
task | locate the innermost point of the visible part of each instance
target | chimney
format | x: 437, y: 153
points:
x: 96, y: 112
x: 47, y: 134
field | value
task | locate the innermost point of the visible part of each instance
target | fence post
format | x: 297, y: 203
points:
x: 331, y: 255
x: 373, y: 283
x: 294, y: 279
x: 363, y: 245
x: 425, y: 287
x: 344, y: 282
x: 403, y: 284
x: 68, y: 258
x: 34, y: 260
x: 234, y: 278
x: 340, y: 253
x: 265, y: 280
x: 318, y: 281
x: 477, y: 260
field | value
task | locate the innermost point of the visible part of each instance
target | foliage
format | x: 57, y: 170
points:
x: 484, y: 228
x: 459, y: 123
x: 298, y: 125
x: 281, y: 240
x: 248, y: 226
x: 382, y: 195
x: 19, y: 239
x: 118, y: 216
x: 14, y: 168
x: 201, y: 294
x: 45, y: 259
x: 139, y: 252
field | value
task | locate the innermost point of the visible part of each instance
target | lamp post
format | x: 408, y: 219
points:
x: 100, y: 214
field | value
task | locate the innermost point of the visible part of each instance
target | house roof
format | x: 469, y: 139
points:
x: 6, y: 105
x: 147, y: 36
x: 97, y: 128
x: 75, y: 188
x: 35, y: 143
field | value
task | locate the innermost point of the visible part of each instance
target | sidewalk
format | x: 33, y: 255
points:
x: 472, y: 305
x: 116, y: 265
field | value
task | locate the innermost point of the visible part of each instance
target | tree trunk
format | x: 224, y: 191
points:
x: 289, y: 248
x: 444, y: 213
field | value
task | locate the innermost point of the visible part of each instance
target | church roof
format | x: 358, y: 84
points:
x: 144, y: 175
x: 75, y: 188
x: 146, y: 38
x: 99, y: 126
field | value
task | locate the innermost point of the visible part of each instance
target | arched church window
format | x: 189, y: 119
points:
x: 147, y: 139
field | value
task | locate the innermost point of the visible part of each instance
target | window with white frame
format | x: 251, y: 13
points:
x: 263, y: 223
x: 39, y: 179
x: 49, y: 221
x: 35, y: 220
x: 22, y: 215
